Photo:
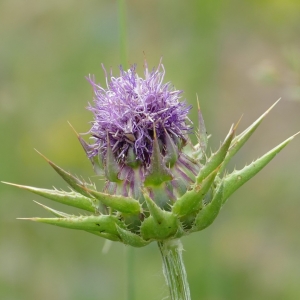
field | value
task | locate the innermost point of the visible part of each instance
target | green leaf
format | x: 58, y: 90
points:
x: 171, y: 151
x: 217, y: 158
x: 156, y: 212
x: 95, y: 160
x: 111, y: 167
x: 237, y: 178
x: 74, y: 182
x: 192, y: 200
x: 68, y: 198
x: 122, y: 204
x: 130, y: 238
x: 160, y: 225
x: 153, y: 230
x: 201, y: 135
x: 131, y: 159
x: 242, y: 138
x: 102, y: 223
x: 157, y: 172
x: 208, y: 214
x: 64, y: 215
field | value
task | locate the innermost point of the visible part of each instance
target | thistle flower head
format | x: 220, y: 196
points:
x: 156, y: 187
x: 130, y: 108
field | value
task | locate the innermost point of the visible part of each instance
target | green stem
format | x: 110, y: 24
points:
x: 130, y: 273
x: 174, y: 270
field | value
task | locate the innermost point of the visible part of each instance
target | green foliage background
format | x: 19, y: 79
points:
x: 238, y: 56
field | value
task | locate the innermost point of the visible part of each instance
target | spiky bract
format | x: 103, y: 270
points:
x: 158, y: 186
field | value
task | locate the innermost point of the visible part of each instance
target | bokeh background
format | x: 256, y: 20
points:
x: 238, y: 56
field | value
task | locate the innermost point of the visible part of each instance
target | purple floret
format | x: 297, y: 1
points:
x: 128, y: 109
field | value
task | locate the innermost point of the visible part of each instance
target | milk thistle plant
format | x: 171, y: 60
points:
x: 159, y: 187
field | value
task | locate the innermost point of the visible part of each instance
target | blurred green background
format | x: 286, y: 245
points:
x: 238, y: 56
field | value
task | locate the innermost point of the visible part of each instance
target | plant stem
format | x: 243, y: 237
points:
x: 174, y: 270
x: 130, y: 273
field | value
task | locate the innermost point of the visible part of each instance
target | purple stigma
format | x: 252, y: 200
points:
x: 128, y: 109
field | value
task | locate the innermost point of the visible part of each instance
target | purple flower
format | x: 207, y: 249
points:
x: 130, y: 107
x: 156, y: 189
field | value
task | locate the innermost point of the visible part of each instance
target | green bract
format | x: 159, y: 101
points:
x: 148, y: 213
